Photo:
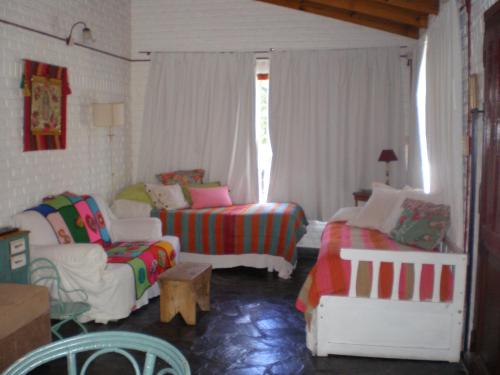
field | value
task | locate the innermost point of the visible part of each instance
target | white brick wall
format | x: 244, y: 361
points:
x: 233, y: 25
x: 85, y: 164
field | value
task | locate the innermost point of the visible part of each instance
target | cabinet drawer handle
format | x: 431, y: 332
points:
x: 17, y: 246
x: 17, y: 261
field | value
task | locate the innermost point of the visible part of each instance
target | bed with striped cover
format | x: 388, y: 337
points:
x: 331, y: 274
x: 271, y: 229
x: 368, y: 295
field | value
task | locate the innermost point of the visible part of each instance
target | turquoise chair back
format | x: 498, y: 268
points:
x: 101, y: 343
x: 69, y: 305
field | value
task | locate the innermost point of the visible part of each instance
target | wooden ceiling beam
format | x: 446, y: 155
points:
x: 422, y: 6
x: 379, y: 10
x: 344, y: 15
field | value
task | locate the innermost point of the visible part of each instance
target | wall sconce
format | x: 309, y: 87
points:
x: 109, y: 115
x: 387, y: 156
x: 86, y: 34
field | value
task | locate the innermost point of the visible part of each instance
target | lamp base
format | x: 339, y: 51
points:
x: 387, y: 173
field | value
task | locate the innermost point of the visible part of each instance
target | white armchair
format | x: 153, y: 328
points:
x: 110, y: 287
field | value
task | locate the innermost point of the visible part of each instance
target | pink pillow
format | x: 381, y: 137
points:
x: 210, y: 197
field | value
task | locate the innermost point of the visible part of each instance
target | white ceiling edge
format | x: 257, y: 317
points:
x: 243, y: 25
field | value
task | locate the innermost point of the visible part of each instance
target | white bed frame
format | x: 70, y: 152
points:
x: 392, y: 328
x: 271, y: 262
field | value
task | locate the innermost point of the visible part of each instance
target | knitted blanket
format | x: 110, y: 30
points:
x: 147, y: 259
x: 75, y: 218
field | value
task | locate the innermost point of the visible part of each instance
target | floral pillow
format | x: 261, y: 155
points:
x: 192, y: 176
x: 167, y: 197
x: 422, y: 224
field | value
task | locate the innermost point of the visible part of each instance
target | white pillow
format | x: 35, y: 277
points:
x: 125, y: 208
x: 167, y: 196
x: 378, y: 207
x: 346, y: 214
x: 407, y: 192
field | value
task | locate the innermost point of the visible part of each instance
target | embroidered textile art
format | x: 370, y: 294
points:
x: 45, y: 88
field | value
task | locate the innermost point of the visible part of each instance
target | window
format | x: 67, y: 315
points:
x: 264, y: 152
x: 421, y: 110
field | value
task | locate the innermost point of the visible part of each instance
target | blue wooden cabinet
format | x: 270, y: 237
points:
x: 14, y: 257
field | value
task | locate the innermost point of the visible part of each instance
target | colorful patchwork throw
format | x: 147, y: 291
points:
x: 147, y: 259
x: 75, y: 218
x: 268, y: 228
x: 331, y: 274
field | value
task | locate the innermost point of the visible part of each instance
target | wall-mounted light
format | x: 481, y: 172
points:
x: 86, y: 34
x: 109, y: 115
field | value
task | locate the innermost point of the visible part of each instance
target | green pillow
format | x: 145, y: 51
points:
x: 136, y: 192
x: 422, y: 224
x: 187, y: 194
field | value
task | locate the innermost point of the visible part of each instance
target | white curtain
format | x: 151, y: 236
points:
x: 200, y: 113
x: 331, y: 114
x: 414, y: 147
x: 444, y: 121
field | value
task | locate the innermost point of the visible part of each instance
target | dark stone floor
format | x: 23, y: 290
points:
x: 252, y: 328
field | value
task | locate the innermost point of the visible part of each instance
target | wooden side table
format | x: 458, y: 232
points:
x: 361, y: 196
x: 182, y: 287
x: 24, y: 322
x: 14, y: 257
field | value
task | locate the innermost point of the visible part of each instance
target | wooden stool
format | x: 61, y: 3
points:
x: 181, y: 288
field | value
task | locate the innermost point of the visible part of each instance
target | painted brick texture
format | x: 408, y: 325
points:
x: 84, y: 167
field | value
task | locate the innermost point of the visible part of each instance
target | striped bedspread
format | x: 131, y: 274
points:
x: 267, y: 228
x: 331, y: 274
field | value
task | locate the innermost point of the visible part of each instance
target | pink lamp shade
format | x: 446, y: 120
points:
x: 387, y: 156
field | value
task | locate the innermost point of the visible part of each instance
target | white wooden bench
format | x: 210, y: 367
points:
x: 393, y: 328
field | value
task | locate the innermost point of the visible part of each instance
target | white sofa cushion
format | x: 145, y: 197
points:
x: 136, y: 229
x: 41, y: 232
x: 126, y: 209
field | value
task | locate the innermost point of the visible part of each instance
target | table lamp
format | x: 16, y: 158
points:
x: 387, y: 156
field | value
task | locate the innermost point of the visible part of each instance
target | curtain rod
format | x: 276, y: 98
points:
x: 150, y: 52
x: 256, y: 52
x: 27, y: 28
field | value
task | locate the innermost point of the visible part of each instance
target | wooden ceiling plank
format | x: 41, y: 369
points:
x: 378, y: 10
x: 422, y: 6
x: 359, y: 19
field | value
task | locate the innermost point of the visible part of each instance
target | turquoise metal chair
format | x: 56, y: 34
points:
x: 102, y: 343
x: 68, y: 305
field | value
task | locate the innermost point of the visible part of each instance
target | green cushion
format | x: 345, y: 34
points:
x: 422, y: 224
x: 187, y: 194
x: 136, y: 192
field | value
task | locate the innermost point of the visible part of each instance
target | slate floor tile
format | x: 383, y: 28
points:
x: 252, y: 328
